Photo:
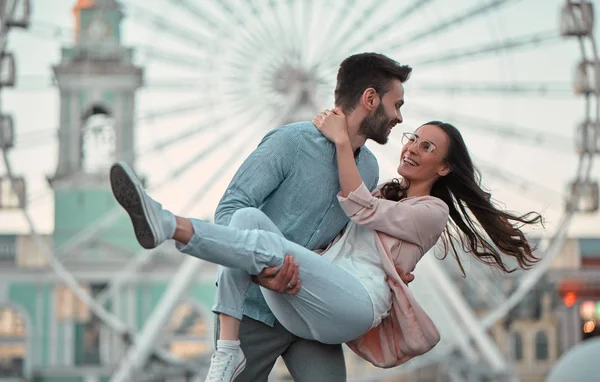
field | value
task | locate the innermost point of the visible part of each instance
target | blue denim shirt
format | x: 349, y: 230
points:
x: 292, y: 177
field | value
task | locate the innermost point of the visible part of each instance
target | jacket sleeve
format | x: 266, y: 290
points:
x: 420, y: 222
x: 260, y: 174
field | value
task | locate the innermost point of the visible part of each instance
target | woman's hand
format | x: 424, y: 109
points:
x: 332, y: 124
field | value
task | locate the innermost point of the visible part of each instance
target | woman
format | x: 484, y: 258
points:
x: 353, y: 292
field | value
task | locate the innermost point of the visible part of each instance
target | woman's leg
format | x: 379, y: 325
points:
x: 332, y: 305
x: 232, y: 283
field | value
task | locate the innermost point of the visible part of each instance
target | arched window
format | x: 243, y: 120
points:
x: 98, y: 140
x: 12, y: 343
x: 541, y: 346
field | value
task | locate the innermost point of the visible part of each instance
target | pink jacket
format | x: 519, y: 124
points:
x: 406, y: 230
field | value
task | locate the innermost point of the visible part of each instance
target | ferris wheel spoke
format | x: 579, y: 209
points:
x: 260, y: 33
x: 335, y: 45
x: 524, y: 186
x: 225, y: 136
x: 257, y: 41
x: 546, y: 88
x: 480, y: 280
x: 199, y: 14
x: 515, y: 133
x: 188, y: 133
x: 152, y: 116
x: 375, y: 35
x: 293, y: 13
x: 175, y: 84
x: 174, y: 58
x: 40, y: 195
x: 440, y: 27
x: 236, y: 153
x: 537, y: 39
x: 253, y: 36
x: 247, y: 52
x: 464, y: 345
x: 308, y: 19
x: 47, y: 30
x: 218, y: 115
x: 227, y: 13
x: 139, y: 14
x: 270, y: 9
x: 324, y: 48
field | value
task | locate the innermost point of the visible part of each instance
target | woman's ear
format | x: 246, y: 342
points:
x: 445, y: 170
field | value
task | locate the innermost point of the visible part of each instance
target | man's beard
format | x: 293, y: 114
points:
x: 375, y: 126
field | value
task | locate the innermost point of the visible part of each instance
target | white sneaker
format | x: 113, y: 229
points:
x: 151, y: 223
x: 225, y: 367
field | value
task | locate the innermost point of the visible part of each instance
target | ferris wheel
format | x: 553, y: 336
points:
x: 220, y: 74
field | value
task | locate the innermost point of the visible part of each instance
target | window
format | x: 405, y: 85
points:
x: 87, y: 334
x: 189, y: 332
x: 517, y: 345
x: 68, y: 306
x: 12, y: 343
x: 8, y: 247
x: 98, y: 141
x: 541, y: 346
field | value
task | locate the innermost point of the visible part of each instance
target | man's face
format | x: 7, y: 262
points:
x: 379, y: 124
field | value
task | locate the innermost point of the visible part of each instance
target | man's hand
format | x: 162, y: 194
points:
x: 283, y: 280
x: 406, y: 277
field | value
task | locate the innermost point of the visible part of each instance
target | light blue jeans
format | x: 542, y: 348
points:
x: 331, y: 307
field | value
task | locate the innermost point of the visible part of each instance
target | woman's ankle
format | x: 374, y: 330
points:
x: 184, y: 230
x: 229, y: 328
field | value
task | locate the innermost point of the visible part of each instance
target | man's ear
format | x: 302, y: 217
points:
x: 370, y: 99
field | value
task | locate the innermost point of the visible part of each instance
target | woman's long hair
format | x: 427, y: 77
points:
x: 471, y: 208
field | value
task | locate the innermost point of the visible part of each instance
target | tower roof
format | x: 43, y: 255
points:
x: 87, y: 4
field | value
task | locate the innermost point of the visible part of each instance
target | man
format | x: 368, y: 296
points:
x: 292, y: 177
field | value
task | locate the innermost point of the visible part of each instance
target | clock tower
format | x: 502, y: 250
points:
x: 97, y: 81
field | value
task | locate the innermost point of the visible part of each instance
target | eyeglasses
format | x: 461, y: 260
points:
x: 423, y: 145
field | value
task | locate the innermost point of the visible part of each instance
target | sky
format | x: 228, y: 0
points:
x: 527, y: 167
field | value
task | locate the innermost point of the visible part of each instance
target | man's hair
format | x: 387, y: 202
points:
x: 366, y: 70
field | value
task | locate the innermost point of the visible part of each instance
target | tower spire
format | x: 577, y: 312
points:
x: 81, y: 4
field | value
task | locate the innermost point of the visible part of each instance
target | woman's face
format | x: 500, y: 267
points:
x: 423, y: 153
